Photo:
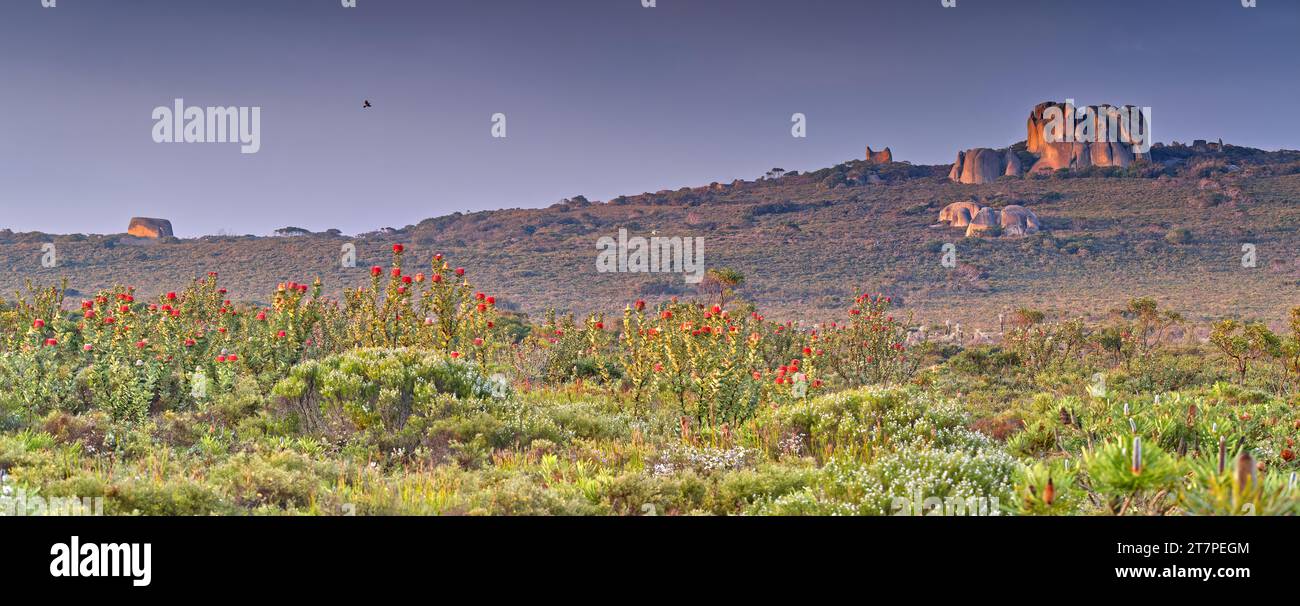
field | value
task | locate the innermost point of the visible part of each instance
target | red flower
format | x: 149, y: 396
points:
x: 460, y: 271
x: 807, y: 351
x: 436, y: 278
x: 1287, y: 455
x: 406, y: 279
x: 659, y: 367
x: 376, y: 270
x: 455, y: 354
x: 437, y: 257
x: 397, y: 248
x: 481, y: 307
x: 600, y: 326
x: 261, y: 315
x: 717, y: 309
x: 419, y: 277
x: 480, y: 296
x: 666, y: 315
x: 109, y: 319
x: 87, y: 347
x: 232, y: 358
x: 280, y: 334
x: 141, y: 343
x: 401, y: 290
x: 396, y: 271
x: 124, y: 309
x: 189, y: 342
x: 478, y: 341
x: 51, y: 341
x: 171, y: 296
x: 38, y: 323
x: 491, y: 300
x: 221, y: 358
x: 90, y: 314
x: 640, y: 304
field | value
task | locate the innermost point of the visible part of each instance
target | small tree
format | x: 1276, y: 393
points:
x: 1244, y: 342
x: 722, y: 282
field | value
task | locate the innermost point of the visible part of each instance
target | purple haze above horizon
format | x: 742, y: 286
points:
x: 602, y: 97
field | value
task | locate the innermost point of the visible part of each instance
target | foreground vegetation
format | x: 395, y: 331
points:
x: 416, y: 394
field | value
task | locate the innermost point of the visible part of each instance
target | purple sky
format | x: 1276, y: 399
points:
x: 602, y: 97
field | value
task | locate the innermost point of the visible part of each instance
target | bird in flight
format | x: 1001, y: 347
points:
x: 366, y: 103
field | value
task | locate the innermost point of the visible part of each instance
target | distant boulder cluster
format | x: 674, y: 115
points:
x: 1012, y: 220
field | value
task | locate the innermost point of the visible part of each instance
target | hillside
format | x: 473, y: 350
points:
x: 807, y: 243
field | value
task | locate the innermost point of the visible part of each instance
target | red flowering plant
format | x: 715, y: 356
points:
x: 455, y: 317
x: 298, y: 322
x: 709, y: 361
x: 568, y: 351
x: 871, y: 347
x: 1041, y: 345
x: 439, y: 311
x: 637, y: 354
x: 33, y: 318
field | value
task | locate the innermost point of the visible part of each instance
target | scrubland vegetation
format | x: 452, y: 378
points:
x: 418, y: 394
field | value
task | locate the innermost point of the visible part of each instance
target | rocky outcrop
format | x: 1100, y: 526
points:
x: 879, y: 157
x: 146, y: 227
x: 984, y: 165
x: 1060, y: 138
x: 1101, y: 136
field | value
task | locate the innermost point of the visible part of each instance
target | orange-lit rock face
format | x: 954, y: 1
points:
x: 145, y: 227
x: 983, y: 165
x: 1108, y: 142
x: 879, y: 157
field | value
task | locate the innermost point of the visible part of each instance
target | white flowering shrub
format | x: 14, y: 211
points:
x: 883, y: 445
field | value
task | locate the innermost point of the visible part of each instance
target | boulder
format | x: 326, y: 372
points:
x: 1013, y: 166
x: 982, y: 165
x: 954, y: 173
x: 146, y: 227
x: 879, y: 157
x: 1034, y: 139
x: 1056, y: 156
x: 959, y: 214
x: 1016, y: 220
x: 985, y: 223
